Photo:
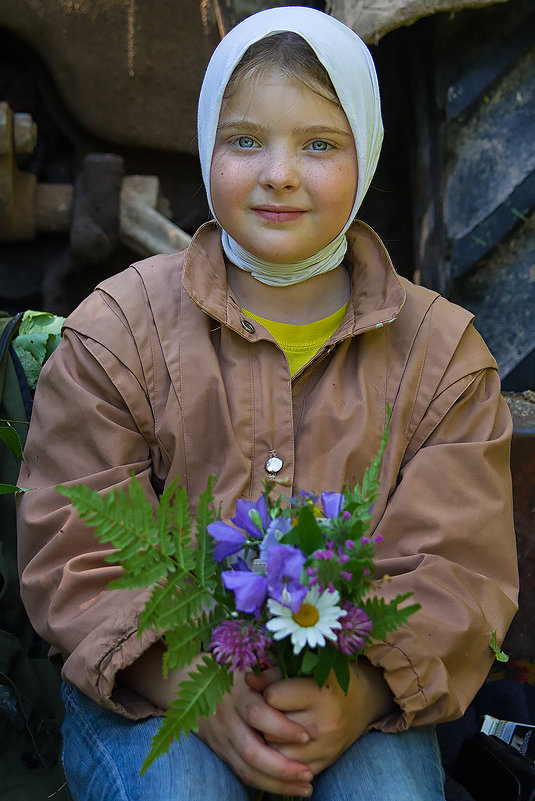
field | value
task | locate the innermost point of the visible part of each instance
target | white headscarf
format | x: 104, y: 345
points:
x: 352, y: 72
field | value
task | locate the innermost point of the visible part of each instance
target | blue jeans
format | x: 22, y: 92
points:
x: 102, y: 754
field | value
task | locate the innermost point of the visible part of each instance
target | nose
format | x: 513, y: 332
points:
x: 280, y: 170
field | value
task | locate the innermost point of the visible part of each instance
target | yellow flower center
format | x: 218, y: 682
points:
x: 307, y: 616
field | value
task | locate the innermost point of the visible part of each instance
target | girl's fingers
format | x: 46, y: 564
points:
x: 263, y: 680
x: 271, y: 770
x: 292, y: 695
x: 256, y: 763
x: 271, y: 723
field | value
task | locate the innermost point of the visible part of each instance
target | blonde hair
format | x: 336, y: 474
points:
x: 292, y: 56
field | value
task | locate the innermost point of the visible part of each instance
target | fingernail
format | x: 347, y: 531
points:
x: 306, y: 776
x: 304, y: 737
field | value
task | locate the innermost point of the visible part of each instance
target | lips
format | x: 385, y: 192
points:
x: 278, y: 214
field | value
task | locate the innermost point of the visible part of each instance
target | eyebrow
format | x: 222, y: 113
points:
x: 242, y: 125
x: 312, y: 130
x: 308, y: 130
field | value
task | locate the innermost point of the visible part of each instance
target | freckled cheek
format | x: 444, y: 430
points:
x: 331, y: 186
x: 230, y: 179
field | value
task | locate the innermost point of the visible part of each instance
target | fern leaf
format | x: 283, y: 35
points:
x: 386, y: 616
x: 164, y: 519
x: 181, y: 531
x: 204, y: 562
x: 185, y: 642
x: 126, y: 520
x: 172, y: 604
x: 197, y: 697
x: 359, y: 499
x: 370, y: 481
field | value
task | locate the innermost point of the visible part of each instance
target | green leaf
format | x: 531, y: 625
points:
x: 307, y: 531
x: 165, y: 517
x: 341, y: 670
x: 185, y: 642
x: 206, y: 566
x: 386, y: 616
x: 125, y: 519
x: 172, y: 604
x: 7, y: 489
x: 9, y: 437
x: 498, y: 654
x: 197, y: 697
x: 327, y: 656
x: 38, y: 335
x: 359, y: 500
x: 34, y: 344
x: 309, y: 662
x: 181, y: 531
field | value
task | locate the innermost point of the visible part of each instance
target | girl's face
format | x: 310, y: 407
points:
x: 284, y: 169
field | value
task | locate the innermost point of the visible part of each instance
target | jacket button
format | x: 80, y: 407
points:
x: 274, y: 464
x: 249, y: 327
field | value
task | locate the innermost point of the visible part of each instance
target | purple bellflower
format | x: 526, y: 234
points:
x: 284, y: 569
x: 249, y: 589
x: 331, y: 503
x: 229, y: 540
x: 243, y: 520
x: 276, y: 529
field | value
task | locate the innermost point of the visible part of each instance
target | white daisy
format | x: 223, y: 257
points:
x: 316, y: 620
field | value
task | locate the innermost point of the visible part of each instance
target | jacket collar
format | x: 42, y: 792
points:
x: 377, y: 293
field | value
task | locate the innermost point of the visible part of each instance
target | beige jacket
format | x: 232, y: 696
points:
x: 157, y: 375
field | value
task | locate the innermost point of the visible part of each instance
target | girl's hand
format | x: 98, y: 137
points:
x: 238, y: 732
x: 333, y: 720
x: 239, y: 728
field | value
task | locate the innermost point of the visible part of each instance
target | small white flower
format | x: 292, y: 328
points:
x: 316, y: 620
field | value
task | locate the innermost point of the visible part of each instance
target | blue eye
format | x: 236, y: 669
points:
x: 245, y: 142
x: 320, y: 146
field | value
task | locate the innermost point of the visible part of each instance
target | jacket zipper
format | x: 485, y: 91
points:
x: 318, y: 358
x: 326, y: 350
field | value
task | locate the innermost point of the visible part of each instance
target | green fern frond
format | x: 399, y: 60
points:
x: 185, y: 642
x: 386, y: 616
x: 360, y: 499
x: 165, y: 519
x: 204, y: 562
x: 173, y: 603
x: 126, y: 520
x: 197, y: 697
x: 181, y: 531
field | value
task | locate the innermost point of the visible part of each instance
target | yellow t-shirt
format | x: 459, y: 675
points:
x: 301, y: 342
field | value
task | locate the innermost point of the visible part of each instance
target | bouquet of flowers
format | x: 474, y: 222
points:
x: 286, y: 583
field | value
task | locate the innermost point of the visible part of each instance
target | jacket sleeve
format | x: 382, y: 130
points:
x: 92, y: 423
x: 449, y: 539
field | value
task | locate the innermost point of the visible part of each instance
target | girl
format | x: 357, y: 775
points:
x: 273, y: 345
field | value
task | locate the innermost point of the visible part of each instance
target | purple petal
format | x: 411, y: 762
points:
x: 249, y: 589
x: 229, y: 539
x: 284, y: 569
x: 331, y: 503
x: 242, y: 520
x: 280, y: 524
x: 276, y: 529
x: 284, y: 561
